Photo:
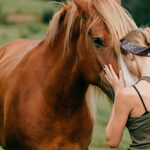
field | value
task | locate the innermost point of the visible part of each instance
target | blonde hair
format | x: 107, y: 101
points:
x: 140, y: 37
x: 146, y: 33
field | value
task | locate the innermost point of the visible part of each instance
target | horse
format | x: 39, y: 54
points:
x: 45, y: 99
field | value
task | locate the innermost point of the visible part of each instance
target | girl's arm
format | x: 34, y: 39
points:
x: 118, y: 119
x: 120, y: 110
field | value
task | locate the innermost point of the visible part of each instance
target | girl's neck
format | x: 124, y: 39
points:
x: 143, y: 67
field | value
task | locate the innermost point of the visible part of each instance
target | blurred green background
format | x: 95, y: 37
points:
x: 30, y: 18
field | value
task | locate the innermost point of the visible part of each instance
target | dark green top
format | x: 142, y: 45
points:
x: 139, y: 127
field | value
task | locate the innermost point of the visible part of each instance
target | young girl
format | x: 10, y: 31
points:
x: 132, y: 104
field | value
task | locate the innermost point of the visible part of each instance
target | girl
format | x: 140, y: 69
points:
x: 132, y: 104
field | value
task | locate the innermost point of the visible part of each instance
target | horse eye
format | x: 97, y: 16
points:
x: 98, y: 42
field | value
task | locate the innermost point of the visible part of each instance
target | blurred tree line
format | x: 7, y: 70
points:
x: 139, y: 10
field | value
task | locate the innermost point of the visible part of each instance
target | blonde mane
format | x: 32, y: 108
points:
x: 72, y: 16
x: 115, y: 17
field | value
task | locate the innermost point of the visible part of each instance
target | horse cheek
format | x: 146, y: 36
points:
x: 87, y: 61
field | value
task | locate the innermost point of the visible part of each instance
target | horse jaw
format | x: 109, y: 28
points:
x: 129, y: 78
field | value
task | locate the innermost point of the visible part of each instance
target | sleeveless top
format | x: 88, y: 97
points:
x: 139, y: 127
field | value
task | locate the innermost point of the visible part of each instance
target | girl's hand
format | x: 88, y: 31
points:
x: 113, y: 79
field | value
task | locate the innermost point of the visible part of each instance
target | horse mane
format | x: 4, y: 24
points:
x: 118, y: 22
x: 71, y: 8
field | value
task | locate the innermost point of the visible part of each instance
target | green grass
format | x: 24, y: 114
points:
x: 12, y: 32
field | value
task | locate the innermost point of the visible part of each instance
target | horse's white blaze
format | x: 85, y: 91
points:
x: 129, y: 78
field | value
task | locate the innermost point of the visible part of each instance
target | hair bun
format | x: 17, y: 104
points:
x: 146, y: 32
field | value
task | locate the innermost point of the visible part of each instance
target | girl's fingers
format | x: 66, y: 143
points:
x: 107, y: 71
x: 108, y: 79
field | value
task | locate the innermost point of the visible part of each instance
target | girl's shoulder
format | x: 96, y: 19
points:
x: 126, y: 95
x: 126, y: 92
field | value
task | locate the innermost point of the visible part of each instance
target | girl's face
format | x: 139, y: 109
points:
x: 131, y: 64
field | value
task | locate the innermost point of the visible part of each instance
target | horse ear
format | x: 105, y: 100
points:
x: 83, y: 5
x: 118, y: 1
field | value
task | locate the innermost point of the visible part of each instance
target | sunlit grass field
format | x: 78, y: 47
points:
x: 12, y: 31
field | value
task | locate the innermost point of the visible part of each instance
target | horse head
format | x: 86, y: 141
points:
x: 92, y: 31
x: 105, y: 23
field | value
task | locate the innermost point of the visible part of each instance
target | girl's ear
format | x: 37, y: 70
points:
x: 131, y: 56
